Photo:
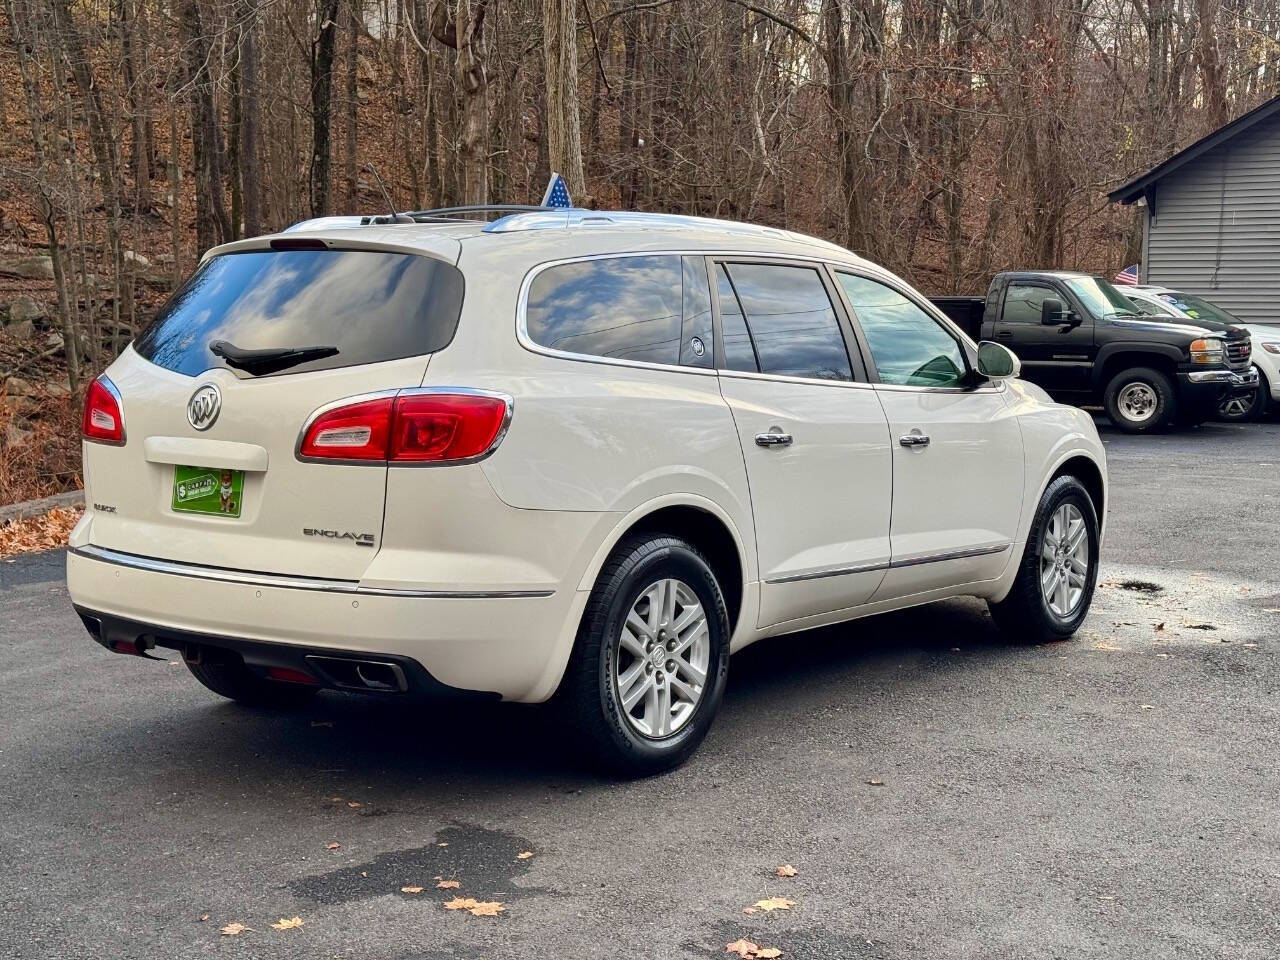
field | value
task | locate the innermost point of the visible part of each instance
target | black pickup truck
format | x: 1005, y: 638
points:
x: 1081, y: 340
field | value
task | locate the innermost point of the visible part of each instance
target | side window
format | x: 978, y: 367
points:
x: 626, y: 308
x: 1022, y: 302
x: 739, y: 352
x: 695, y: 338
x: 793, y: 325
x: 1146, y: 307
x: 908, y: 346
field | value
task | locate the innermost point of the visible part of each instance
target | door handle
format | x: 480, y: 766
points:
x: 1004, y: 335
x: 914, y: 440
x: 773, y: 439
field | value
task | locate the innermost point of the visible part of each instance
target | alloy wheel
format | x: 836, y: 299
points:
x: 1064, y: 560
x: 1237, y: 408
x: 663, y: 653
x: 1137, y: 401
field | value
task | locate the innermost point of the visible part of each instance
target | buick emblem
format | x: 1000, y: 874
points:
x: 204, y: 406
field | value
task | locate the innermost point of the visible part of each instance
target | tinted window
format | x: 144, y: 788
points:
x: 792, y: 322
x: 907, y: 345
x: 695, y: 343
x: 739, y: 354
x: 371, y: 306
x: 627, y: 308
x: 1198, y: 307
x: 1022, y: 302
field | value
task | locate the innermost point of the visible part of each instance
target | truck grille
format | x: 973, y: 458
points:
x: 1238, y: 352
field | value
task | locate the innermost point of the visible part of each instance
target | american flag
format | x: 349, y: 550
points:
x: 1128, y: 277
x: 557, y: 194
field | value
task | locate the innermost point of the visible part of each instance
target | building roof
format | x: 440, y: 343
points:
x: 1144, y: 185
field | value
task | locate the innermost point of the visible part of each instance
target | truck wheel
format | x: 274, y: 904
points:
x: 1140, y: 400
x: 651, y: 658
x: 233, y: 680
x: 1245, y: 409
x: 1054, y: 584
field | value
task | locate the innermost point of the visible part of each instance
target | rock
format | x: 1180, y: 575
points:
x: 28, y: 268
x: 14, y: 435
x: 139, y: 259
x: 24, y: 308
x: 21, y: 331
x: 57, y: 388
x: 17, y: 387
x: 164, y: 258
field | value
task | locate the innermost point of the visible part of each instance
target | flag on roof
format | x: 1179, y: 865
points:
x: 557, y: 194
x: 1128, y: 277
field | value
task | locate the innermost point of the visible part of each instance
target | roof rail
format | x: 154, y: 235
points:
x: 573, y: 217
x: 460, y: 213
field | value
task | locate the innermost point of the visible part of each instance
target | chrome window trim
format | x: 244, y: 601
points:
x: 522, y: 304
x: 284, y: 581
x: 911, y: 561
x: 407, y: 392
x: 783, y: 378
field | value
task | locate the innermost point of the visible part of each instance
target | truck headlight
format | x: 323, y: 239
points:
x: 1271, y: 347
x: 1207, y: 351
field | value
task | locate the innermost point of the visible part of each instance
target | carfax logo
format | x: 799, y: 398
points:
x: 197, y: 487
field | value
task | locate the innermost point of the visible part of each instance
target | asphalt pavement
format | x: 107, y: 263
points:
x: 941, y: 791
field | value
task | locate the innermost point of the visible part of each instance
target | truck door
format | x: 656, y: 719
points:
x: 1059, y: 358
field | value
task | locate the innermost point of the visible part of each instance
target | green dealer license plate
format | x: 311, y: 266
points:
x: 205, y: 490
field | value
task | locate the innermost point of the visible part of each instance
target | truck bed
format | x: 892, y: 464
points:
x: 965, y: 312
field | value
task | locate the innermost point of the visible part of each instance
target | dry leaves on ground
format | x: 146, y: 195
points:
x: 448, y: 884
x: 410, y: 889
x: 333, y: 846
x: 290, y: 924
x: 774, y: 903
x: 524, y: 856
x: 477, y: 908
x: 786, y: 870
x: 234, y: 929
x: 38, y: 533
x: 745, y: 948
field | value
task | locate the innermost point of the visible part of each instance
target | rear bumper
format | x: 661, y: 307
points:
x: 493, y: 643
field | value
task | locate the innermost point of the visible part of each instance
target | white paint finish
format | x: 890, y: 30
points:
x: 821, y: 503
x: 960, y: 492
x: 202, y: 452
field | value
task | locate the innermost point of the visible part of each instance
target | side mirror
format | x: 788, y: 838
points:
x: 997, y: 362
x: 1053, y: 312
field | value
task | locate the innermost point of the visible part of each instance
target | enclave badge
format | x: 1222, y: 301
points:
x: 204, y: 406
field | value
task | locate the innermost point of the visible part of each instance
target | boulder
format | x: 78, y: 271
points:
x: 28, y: 268
x: 21, y: 331
x: 131, y: 257
x: 17, y: 387
x: 25, y: 308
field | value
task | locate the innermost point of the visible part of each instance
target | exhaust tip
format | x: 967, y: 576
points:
x: 366, y: 676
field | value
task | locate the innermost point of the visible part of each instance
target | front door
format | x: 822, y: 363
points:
x: 957, y: 450
x: 814, y: 438
x: 1058, y: 358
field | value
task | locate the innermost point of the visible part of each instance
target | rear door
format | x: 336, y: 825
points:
x: 209, y: 472
x: 813, y: 435
x: 1059, y: 358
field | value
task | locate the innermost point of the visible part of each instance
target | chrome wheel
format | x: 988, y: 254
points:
x: 1064, y: 560
x: 1137, y: 401
x: 660, y: 667
x: 1237, y: 408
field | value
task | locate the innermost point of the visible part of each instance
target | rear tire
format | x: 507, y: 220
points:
x: 637, y: 709
x: 1140, y: 400
x: 233, y: 680
x: 1043, y: 605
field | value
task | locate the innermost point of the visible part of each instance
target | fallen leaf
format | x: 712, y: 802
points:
x: 204, y: 917
x: 768, y: 953
x: 1146, y: 706
x: 477, y: 908
x: 749, y: 910
x: 335, y: 799
x: 290, y: 924
x: 775, y: 903
x: 38, y: 533
x: 875, y: 783
x: 742, y: 947
x: 333, y: 846
x: 445, y: 844
x: 448, y: 884
x: 410, y: 889
x: 524, y: 856
x: 233, y: 929
x: 786, y: 870
x: 353, y: 804
x: 364, y: 873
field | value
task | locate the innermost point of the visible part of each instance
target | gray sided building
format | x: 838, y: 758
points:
x: 1213, y: 217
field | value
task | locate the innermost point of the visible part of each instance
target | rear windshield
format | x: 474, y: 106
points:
x: 370, y: 305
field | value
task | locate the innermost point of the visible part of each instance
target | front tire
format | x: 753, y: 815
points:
x: 1140, y: 400
x: 1058, y: 572
x: 1246, y: 409
x: 233, y: 680
x: 651, y: 658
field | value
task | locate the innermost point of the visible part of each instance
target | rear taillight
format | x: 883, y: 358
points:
x: 103, y: 421
x: 414, y: 426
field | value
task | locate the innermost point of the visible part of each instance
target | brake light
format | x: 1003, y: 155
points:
x: 412, y: 427
x: 103, y: 421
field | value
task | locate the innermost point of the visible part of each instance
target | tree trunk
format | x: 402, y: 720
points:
x: 560, y: 59
x: 322, y: 48
x: 213, y: 224
x: 350, y: 115
x: 473, y: 83
x: 250, y: 119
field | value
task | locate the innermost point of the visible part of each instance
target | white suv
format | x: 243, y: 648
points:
x: 561, y: 453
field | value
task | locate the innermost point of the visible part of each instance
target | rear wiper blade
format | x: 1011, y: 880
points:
x: 262, y: 362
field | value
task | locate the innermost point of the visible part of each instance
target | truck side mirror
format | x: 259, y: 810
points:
x: 1053, y: 312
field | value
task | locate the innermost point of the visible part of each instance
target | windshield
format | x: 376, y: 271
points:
x: 1198, y: 308
x: 1101, y: 298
